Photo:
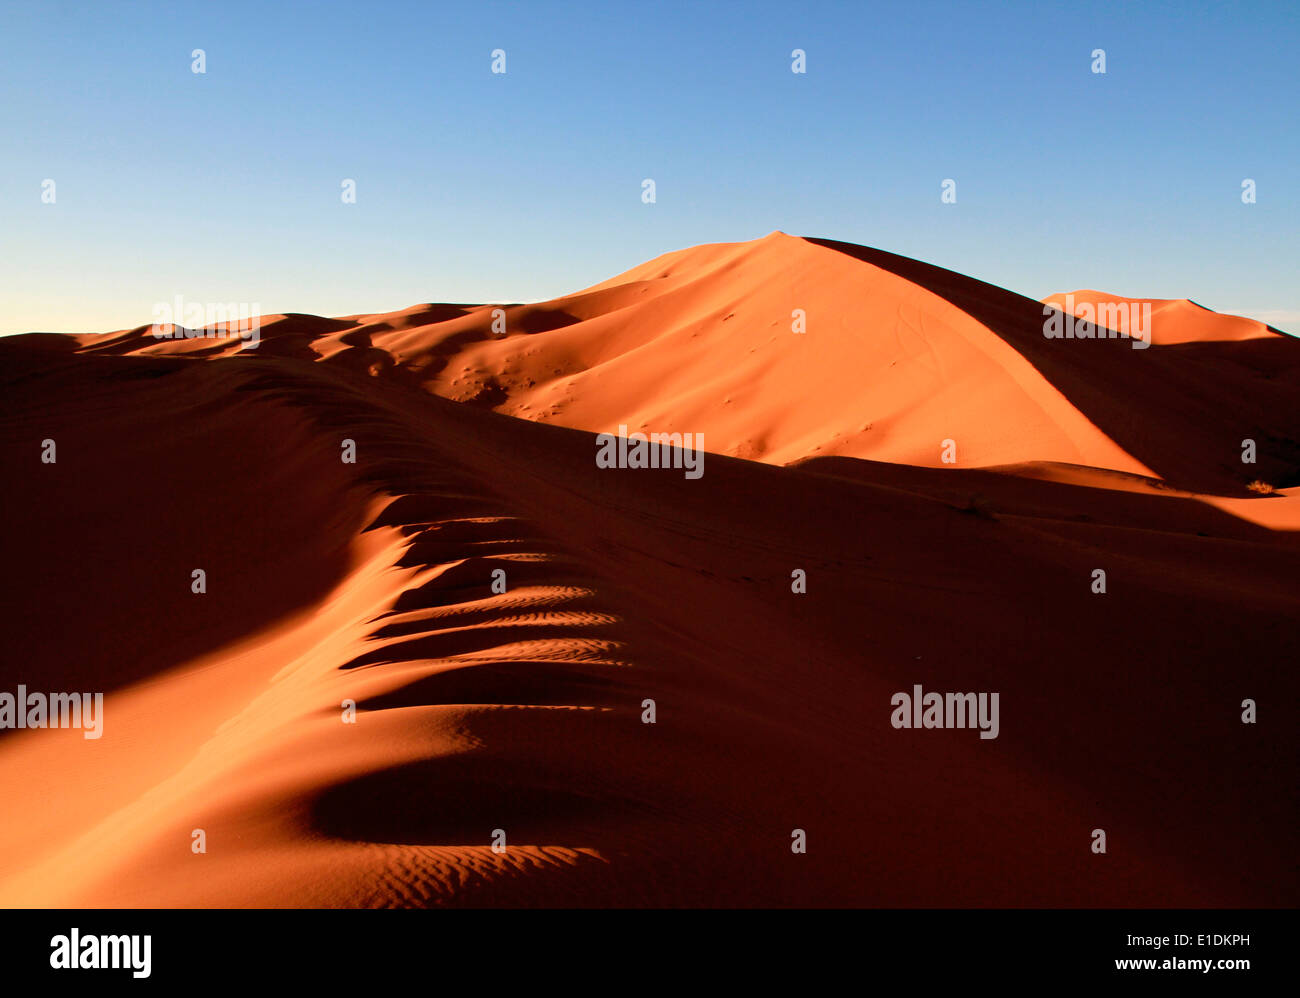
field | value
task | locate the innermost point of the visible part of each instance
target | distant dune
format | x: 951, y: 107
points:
x: 1174, y: 320
x: 897, y: 357
x: 522, y: 711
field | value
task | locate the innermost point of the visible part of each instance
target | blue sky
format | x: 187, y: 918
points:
x: 474, y: 186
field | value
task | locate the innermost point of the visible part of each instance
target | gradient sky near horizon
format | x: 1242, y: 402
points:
x: 474, y: 186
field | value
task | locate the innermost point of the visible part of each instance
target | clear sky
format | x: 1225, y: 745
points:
x: 474, y: 186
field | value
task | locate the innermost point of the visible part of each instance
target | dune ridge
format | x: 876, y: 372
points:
x: 523, y: 710
x: 899, y: 356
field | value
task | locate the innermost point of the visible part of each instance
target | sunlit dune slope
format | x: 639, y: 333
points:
x: 895, y: 359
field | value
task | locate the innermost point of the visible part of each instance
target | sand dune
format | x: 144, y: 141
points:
x: 897, y: 358
x: 1173, y: 320
x: 522, y: 710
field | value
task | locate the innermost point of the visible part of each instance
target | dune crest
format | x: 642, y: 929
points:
x: 783, y: 349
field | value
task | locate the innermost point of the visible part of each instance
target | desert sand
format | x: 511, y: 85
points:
x: 522, y: 710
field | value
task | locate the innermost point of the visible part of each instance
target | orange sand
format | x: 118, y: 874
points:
x: 522, y: 710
